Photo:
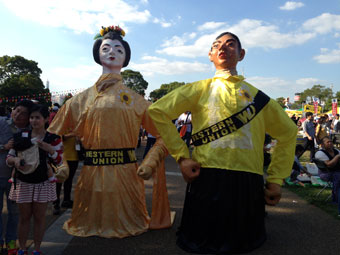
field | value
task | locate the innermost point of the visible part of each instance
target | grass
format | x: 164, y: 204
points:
x: 310, y: 191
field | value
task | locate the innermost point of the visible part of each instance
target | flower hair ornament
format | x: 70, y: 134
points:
x: 104, y: 30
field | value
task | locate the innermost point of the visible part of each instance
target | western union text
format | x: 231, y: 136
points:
x: 225, y: 126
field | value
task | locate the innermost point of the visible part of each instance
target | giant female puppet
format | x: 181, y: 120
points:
x: 109, y: 199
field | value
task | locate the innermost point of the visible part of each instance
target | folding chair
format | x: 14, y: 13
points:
x: 323, y: 168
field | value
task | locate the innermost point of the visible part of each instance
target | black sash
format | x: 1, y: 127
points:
x: 232, y: 123
x: 109, y: 157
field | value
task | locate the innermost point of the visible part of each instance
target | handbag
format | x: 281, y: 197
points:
x: 61, y: 171
x: 183, y: 131
x: 31, y: 159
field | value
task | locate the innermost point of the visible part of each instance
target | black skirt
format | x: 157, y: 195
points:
x: 223, y: 213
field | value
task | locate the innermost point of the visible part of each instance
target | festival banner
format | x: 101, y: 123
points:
x: 297, y: 97
x: 310, y: 108
x: 315, y: 103
x: 48, y: 97
x: 334, y: 106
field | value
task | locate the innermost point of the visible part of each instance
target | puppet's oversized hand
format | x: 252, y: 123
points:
x: 190, y: 169
x: 272, y: 193
x: 145, y: 172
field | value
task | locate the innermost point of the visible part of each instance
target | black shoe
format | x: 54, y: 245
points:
x: 56, y: 209
x: 67, y: 204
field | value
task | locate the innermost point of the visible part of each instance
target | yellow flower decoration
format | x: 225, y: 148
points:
x: 125, y: 97
x: 117, y: 29
x: 244, y: 94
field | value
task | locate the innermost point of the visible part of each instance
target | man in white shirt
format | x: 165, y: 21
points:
x: 335, y: 126
x: 185, y: 119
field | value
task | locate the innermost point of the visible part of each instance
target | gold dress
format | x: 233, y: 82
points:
x: 109, y: 200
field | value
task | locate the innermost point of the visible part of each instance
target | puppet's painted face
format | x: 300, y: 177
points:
x: 112, y: 54
x: 225, y: 53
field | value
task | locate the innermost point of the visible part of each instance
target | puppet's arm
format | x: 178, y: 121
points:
x: 153, y: 159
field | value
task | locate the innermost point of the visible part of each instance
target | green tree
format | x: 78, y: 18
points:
x: 337, y: 96
x: 295, y: 106
x: 281, y: 101
x: 164, y: 89
x: 135, y: 81
x: 17, y: 65
x: 319, y: 91
x: 20, y: 77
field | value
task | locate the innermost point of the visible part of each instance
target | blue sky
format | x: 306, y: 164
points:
x: 290, y: 46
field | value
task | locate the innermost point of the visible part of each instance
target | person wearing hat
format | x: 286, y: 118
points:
x: 109, y: 199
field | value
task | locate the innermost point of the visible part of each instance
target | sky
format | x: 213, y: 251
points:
x: 290, y: 46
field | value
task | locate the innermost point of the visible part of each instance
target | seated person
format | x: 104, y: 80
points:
x: 297, y: 167
x: 330, y: 156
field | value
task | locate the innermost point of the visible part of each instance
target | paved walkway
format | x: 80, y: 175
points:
x: 294, y: 227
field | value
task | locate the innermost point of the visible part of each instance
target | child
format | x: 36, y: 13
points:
x: 21, y: 144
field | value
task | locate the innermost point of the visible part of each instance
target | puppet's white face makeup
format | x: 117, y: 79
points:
x: 112, y: 54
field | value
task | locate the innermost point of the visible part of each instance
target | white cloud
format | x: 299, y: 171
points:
x: 256, y: 33
x: 308, y: 82
x: 199, y: 48
x: 77, y: 77
x: 211, y: 25
x: 269, y: 83
x: 252, y: 33
x: 289, y: 6
x: 323, y: 24
x: 162, y: 22
x: 277, y: 87
x: 192, y: 35
x: 328, y: 56
x: 78, y: 15
x: 155, y: 65
x: 176, y: 41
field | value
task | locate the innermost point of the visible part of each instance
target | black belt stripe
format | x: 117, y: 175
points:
x: 232, y: 123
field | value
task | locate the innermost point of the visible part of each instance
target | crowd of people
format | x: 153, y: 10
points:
x: 314, y: 129
x: 319, y: 137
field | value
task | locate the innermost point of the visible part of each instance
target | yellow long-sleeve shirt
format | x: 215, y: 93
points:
x: 213, y: 100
